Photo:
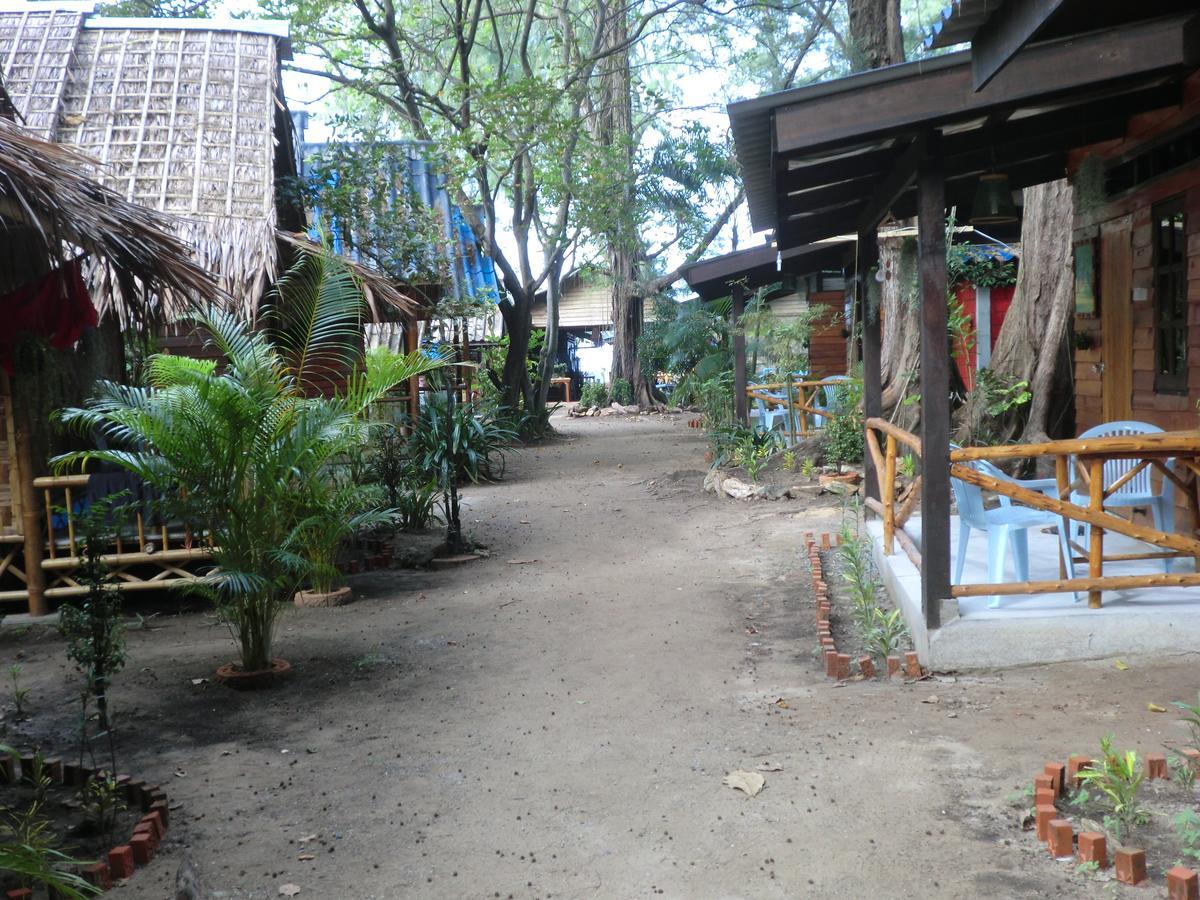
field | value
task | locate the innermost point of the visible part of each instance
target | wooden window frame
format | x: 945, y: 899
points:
x: 1170, y: 282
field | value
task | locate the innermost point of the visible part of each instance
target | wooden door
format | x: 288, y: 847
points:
x: 827, y: 346
x: 1116, y: 322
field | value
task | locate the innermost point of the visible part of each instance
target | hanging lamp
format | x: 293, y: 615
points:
x: 993, y: 201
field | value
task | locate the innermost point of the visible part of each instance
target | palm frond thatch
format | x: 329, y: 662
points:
x: 43, y: 187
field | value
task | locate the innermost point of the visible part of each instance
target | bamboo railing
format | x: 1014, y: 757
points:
x: 804, y: 393
x: 1088, y: 457
x: 144, y: 557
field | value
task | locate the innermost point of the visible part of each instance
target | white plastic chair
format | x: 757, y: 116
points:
x: 1003, y: 525
x: 1136, y: 492
x: 826, y: 399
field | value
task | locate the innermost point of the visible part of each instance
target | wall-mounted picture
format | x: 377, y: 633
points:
x: 1085, y: 280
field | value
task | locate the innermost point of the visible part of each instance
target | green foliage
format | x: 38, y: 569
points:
x: 363, y: 193
x: 1191, y: 718
x: 1118, y: 776
x: 808, y: 466
x: 234, y: 449
x: 92, y: 625
x: 753, y: 449
x: 906, y: 465
x: 339, y: 509
x: 622, y: 392
x: 843, y: 439
x: 101, y: 800
x: 886, y: 633
x: 20, y: 693
x: 997, y: 396
x: 593, y: 394
x: 789, y: 460
x: 1185, y: 773
x: 454, y: 442
x: 1187, y: 830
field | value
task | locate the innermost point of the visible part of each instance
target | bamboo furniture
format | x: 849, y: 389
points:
x: 1090, y: 455
x: 806, y: 407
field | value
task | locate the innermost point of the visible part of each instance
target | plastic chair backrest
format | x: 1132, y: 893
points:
x: 828, y: 398
x: 1139, y: 485
x: 969, y: 499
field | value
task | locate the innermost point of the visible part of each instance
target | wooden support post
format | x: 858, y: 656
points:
x: 411, y: 345
x: 889, y: 497
x: 31, y: 513
x: 868, y: 256
x: 1096, y: 545
x: 737, y: 307
x: 1065, y: 553
x: 935, y: 387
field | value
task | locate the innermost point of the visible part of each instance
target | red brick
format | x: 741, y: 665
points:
x: 1093, y: 847
x: 1074, y: 765
x: 1044, y: 797
x: 893, y: 666
x: 825, y: 541
x: 1062, y: 839
x: 1044, y: 783
x: 53, y: 766
x: 912, y: 665
x: 1044, y: 816
x: 843, y: 666
x: 148, y: 830
x: 1182, y: 884
x: 97, y: 874
x: 866, y: 667
x: 1156, y: 766
x: 20, y: 894
x: 120, y: 861
x: 1131, y: 865
x: 831, y: 663
x: 154, y: 819
x: 142, y: 846
x: 161, y: 807
x: 1058, y: 772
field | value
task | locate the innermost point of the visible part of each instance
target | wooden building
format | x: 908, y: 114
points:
x: 1044, y: 88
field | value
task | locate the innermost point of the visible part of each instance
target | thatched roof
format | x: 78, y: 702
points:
x: 51, y: 208
x: 179, y: 114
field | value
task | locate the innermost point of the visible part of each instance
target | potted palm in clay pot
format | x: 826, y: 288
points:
x: 235, y: 447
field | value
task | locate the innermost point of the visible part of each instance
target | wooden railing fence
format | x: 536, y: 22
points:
x: 1088, y: 457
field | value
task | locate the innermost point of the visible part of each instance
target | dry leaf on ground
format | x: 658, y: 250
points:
x: 1154, y: 707
x: 749, y: 783
x: 289, y: 890
x: 769, y: 767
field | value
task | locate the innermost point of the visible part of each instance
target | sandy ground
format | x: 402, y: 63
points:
x: 560, y: 727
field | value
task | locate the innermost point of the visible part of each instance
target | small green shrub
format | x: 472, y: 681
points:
x: 907, y: 466
x: 1187, y: 830
x: 1118, y: 777
x: 808, y: 466
x: 789, y: 459
x: 1185, y: 773
x: 622, y: 392
x: 20, y: 694
x: 593, y: 394
x: 886, y: 634
x: 843, y: 438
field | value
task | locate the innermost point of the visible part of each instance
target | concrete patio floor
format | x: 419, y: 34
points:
x: 1036, y: 628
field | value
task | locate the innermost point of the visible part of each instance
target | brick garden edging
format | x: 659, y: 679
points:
x: 837, y: 665
x: 124, y: 858
x: 1091, y: 846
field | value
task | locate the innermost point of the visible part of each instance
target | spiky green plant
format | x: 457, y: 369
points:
x: 1118, y: 776
x: 232, y: 447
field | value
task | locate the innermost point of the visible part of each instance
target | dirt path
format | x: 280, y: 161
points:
x: 560, y: 726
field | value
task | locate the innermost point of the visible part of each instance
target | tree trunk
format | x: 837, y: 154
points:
x: 875, y: 33
x: 900, y: 310
x: 1032, y: 345
x: 518, y: 324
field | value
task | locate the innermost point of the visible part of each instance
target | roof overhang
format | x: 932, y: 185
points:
x: 763, y: 265
x: 276, y: 28
x: 833, y: 157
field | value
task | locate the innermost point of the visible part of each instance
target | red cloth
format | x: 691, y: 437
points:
x: 57, y: 308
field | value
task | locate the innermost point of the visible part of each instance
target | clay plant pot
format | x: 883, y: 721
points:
x: 231, y: 675
x: 339, y: 597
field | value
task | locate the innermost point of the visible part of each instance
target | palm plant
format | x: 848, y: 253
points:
x: 235, y: 448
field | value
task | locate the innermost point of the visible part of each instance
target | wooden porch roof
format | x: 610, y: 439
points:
x: 830, y: 158
x: 759, y: 266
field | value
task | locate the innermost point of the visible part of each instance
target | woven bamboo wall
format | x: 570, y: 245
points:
x: 35, y: 52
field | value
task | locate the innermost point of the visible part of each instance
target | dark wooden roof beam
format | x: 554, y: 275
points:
x: 816, y: 198
x: 1039, y: 73
x: 842, y: 168
x: 1009, y: 29
x: 903, y: 174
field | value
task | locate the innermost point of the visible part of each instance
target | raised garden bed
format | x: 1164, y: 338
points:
x: 139, y: 816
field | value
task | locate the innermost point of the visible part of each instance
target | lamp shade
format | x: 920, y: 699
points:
x: 993, y: 202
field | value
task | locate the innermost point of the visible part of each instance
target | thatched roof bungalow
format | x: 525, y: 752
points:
x: 183, y: 116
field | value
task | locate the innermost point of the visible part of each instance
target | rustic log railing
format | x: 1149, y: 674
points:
x: 804, y: 394
x: 1088, y: 457
x: 144, y: 557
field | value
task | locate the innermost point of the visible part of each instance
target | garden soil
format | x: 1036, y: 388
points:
x: 556, y: 720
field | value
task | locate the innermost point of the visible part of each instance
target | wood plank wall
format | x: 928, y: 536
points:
x: 827, y: 348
